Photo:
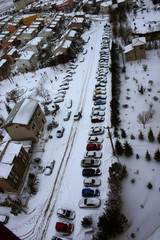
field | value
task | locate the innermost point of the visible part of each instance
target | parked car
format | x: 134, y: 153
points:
x: 90, y: 162
x: 99, y: 96
x: 60, y: 238
x: 67, y: 116
x: 68, y: 103
x: 67, y: 80
x: 90, y: 172
x: 49, y: 168
x: 59, y: 96
x: 98, y: 107
x: 63, y: 88
x: 59, y: 99
x: 93, y: 139
x: 93, y: 146
x: 93, y: 154
x: 100, y: 92
x: 92, y: 182
x: 61, y: 92
x: 60, y: 132
x: 98, y: 113
x: 100, y: 84
x: 99, y: 102
x: 95, y: 119
x: 96, y: 131
x: 64, y: 227
x: 64, y: 84
x: 89, y: 192
x: 65, y: 213
x: 77, y: 116
x: 68, y: 76
x: 89, y: 203
x: 4, y: 218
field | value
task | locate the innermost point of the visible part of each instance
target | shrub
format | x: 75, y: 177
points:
x: 150, y: 135
x: 141, y: 136
x: 123, y: 133
x: 157, y: 155
x: 132, y: 137
x: 137, y: 156
x: 86, y: 222
x: 133, y: 180
x: 125, y: 105
x: 118, y: 148
x: 141, y: 90
x: 147, y: 156
x: 127, y: 149
x: 149, y: 185
x: 158, y: 137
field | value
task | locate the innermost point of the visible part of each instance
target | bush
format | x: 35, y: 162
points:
x: 52, y: 125
x: 157, y: 155
x: 86, y: 222
x: 132, y: 137
x: 147, y: 156
x: 149, y: 185
x: 158, y: 137
x: 141, y: 136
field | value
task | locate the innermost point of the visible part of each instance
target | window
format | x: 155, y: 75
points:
x: 22, y: 157
x: 33, y: 126
x: 13, y: 177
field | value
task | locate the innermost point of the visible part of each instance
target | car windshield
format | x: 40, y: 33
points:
x: 65, y: 227
x: 68, y: 213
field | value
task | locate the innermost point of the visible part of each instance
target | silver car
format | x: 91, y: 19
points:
x: 89, y: 203
x: 92, y: 182
x: 90, y: 162
x: 93, y: 154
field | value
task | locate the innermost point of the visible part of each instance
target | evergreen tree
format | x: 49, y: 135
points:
x: 157, y: 155
x: 150, y: 135
x: 118, y: 148
x: 127, y: 149
x: 158, y: 137
x: 147, y: 156
x: 141, y: 136
x: 123, y: 133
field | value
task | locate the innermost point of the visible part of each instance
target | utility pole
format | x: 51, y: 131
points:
x: 114, y: 152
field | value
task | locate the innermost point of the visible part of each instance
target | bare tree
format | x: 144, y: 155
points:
x: 144, y: 117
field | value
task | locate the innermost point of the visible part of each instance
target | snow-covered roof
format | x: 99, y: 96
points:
x: 11, y: 51
x: 106, y: 4
x: 67, y: 44
x: 72, y: 33
x: 2, y: 62
x: 13, y: 150
x: 27, y: 55
x: 77, y: 20
x: 128, y: 48
x: 138, y: 41
x: 5, y: 170
x: 22, y: 112
x: 35, y: 41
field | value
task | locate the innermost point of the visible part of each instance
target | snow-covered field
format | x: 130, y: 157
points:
x: 63, y: 187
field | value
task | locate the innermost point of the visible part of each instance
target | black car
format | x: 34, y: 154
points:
x: 90, y: 172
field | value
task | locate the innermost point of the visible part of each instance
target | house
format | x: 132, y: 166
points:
x: 4, y: 69
x: 77, y: 23
x: 30, y: 18
x: 21, y: 4
x: 12, y: 27
x: 14, y: 165
x: 105, y: 7
x: 60, y: 51
x: 11, y: 55
x: 65, y: 5
x: 27, y: 61
x: 27, y: 35
x: 10, y: 42
x: 136, y: 50
x: 46, y: 34
x: 35, y: 45
x: 25, y: 121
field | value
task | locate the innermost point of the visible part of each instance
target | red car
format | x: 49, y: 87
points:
x: 64, y: 227
x: 93, y: 146
x: 96, y: 119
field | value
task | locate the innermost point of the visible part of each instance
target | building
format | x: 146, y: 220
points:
x: 6, y: 233
x: 46, y: 34
x: 77, y: 23
x: 30, y: 18
x: 11, y: 55
x: 4, y: 69
x: 27, y: 61
x: 65, y: 5
x: 136, y: 50
x: 25, y: 121
x: 105, y: 7
x: 21, y: 4
x: 35, y: 45
x: 14, y: 165
x: 27, y: 35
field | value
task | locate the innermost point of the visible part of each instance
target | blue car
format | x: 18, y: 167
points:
x: 89, y: 192
x: 99, y: 102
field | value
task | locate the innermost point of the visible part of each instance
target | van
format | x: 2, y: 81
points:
x: 67, y: 116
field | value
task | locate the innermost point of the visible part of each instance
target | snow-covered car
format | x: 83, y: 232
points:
x: 100, y: 92
x: 98, y: 113
x: 90, y: 162
x: 96, y: 131
x: 99, y: 96
x: 68, y: 103
x: 60, y: 238
x: 89, y: 203
x: 59, y: 96
x: 63, y: 88
x: 91, y: 172
x: 99, y: 107
x: 65, y: 213
x: 92, y: 182
x: 95, y: 139
x: 64, y: 227
x: 67, y: 116
x: 96, y: 119
x: 58, y: 100
x: 92, y: 154
x: 77, y: 116
x: 61, y: 92
x: 4, y: 218
x: 49, y: 168
x: 60, y: 132
x: 89, y: 192
x: 100, y: 85
x: 64, y: 84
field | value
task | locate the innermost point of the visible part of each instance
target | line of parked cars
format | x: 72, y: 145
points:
x: 92, y: 157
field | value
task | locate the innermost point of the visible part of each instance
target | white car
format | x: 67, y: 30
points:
x: 93, y: 154
x: 49, y: 168
x: 68, y: 104
x: 96, y: 131
x: 77, y: 116
x: 99, y: 107
x: 90, y: 162
x: 58, y: 100
x: 92, y: 182
x: 67, y: 116
x: 4, y: 218
x: 65, y: 213
x: 89, y: 203
x: 98, y: 113
x: 93, y: 139
x: 60, y: 238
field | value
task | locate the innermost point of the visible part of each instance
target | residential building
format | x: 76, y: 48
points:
x: 77, y: 23
x: 21, y: 4
x: 105, y: 6
x: 27, y: 61
x: 30, y: 18
x: 14, y: 165
x: 25, y: 121
x: 11, y: 55
x: 136, y: 50
x: 46, y: 34
x: 4, y: 69
x: 35, y: 45
x: 65, y: 5
x: 27, y: 35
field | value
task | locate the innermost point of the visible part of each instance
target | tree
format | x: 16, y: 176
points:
x: 127, y: 149
x: 158, y: 137
x: 157, y: 155
x: 144, y: 118
x: 141, y: 90
x: 147, y: 156
x: 86, y: 222
x: 141, y: 136
x: 145, y: 66
x: 123, y: 133
x: 118, y: 148
x: 150, y: 135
